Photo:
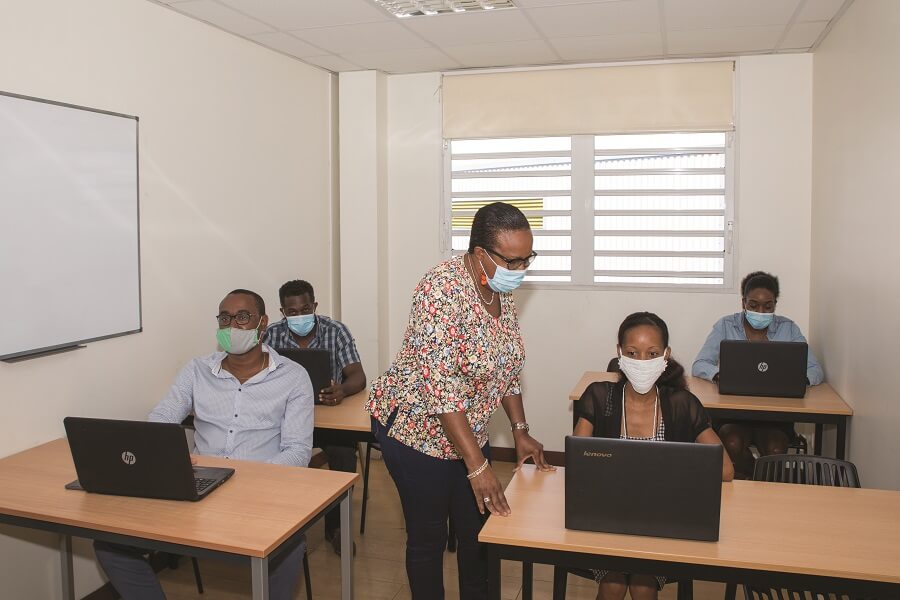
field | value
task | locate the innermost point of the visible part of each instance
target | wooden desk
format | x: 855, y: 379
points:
x: 821, y: 405
x: 804, y: 537
x: 251, y: 518
x: 349, y: 415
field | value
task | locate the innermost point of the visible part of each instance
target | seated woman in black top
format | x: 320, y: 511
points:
x: 649, y: 402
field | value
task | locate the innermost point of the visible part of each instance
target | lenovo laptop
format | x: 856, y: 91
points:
x: 662, y: 489
x: 317, y: 363
x: 763, y: 368
x: 137, y: 458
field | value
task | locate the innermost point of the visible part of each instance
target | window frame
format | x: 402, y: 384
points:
x: 582, y: 223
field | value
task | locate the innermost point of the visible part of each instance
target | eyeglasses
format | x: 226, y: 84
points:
x: 241, y: 318
x: 515, y: 264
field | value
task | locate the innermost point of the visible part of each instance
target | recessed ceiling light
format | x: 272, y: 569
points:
x: 416, y: 8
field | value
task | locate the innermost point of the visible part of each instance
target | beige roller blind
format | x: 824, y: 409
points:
x: 688, y: 97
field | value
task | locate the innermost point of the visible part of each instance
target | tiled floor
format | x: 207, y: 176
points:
x: 379, y: 570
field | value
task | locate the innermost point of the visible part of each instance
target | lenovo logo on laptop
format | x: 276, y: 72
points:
x: 128, y: 458
x: 598, y: 454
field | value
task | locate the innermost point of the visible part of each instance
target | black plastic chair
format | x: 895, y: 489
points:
x: 801, y: 469
x: 806, y: 469
x: 781, y: 594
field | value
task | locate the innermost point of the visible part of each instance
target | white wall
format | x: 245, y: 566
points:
x: 235, y: 158
x: 568, y: 332
x: 855, y: 277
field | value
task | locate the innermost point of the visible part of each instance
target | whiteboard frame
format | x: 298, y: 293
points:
x: 76, y: 344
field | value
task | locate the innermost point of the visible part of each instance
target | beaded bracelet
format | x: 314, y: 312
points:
x: 478, y: 471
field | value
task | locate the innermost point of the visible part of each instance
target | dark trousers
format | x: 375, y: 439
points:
x: 341, y: 457
x: 431, y: 491
x: 134, y: 579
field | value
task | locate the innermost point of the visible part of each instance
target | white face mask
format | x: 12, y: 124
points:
x: 642, y: 374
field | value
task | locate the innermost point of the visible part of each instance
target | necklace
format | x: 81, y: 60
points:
x: 655, y: 416
x: 475, y: 281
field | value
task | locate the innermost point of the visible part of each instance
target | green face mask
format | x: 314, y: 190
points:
x: 237, y: 341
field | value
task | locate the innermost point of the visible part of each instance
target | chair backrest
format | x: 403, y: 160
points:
x: 777, y: 594
x: 806, y: 469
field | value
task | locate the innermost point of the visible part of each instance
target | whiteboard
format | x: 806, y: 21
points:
x: 69, y: 230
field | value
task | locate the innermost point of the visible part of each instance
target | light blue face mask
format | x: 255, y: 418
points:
x: 302, y: 324
x: 504, y: 280
x: 759, y: 320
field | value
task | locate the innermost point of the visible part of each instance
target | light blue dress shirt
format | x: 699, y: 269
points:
x: 268, y: 418
x: 731, y: 327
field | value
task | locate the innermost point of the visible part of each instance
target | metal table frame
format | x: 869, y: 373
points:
x: 819, y: 419
x: 259, y: 566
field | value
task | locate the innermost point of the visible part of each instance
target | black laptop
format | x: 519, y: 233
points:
x: 317, y: 363
x: 661, y: 489
x: 763, y: 368
x: 137, y: 458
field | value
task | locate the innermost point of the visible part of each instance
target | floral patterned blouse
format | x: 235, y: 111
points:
x: 455, y: 357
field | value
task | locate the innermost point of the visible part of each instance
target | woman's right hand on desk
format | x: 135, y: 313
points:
x: 489, y: 493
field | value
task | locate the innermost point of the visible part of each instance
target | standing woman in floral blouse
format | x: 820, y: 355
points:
x: 461, y: 358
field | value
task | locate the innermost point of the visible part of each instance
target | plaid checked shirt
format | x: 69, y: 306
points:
x: 331, y: 335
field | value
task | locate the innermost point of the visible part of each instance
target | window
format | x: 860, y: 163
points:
x: 650, y: 210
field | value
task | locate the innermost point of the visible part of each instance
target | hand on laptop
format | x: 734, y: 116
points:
x: 333, y: 394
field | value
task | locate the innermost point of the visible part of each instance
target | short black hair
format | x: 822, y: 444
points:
x: 260, y: 303
x: 759, y: 279
x: 493, y: 219
x: 296, y: 287
x: 673, y: 376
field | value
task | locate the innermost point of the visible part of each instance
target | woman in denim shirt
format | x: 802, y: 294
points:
x: 756, y: 322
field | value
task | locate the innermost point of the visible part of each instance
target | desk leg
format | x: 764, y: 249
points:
x: 347, y: 547
x: 67, y: 573
x: 840, y: 450
x: 560, y: 582
x: 259, y: 576
x: 493, y: 573
x: 527, y: 580
x: 817, y: 445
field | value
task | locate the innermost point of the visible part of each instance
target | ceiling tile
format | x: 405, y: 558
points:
x: 287, y: 44
x: 715, y: 14
x: 221, y: 16
x: 605, y: 18
x: 424, y: 60
x: 332, y: 63
x: 368, y: 37
x: 819, y: 10
x: 723, y: 41
x: 473, y: 28
x: 803, y: 35
x: 507, y: 54
x: 609, y: 47
x: 301, y: 14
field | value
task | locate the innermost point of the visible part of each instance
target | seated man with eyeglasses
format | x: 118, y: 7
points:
x: 249, y: 403
x: 303, y: 328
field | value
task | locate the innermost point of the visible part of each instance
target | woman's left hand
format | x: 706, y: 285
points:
x: 528, y: 447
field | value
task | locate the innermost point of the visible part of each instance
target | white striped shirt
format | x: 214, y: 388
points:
x: 269, y: 418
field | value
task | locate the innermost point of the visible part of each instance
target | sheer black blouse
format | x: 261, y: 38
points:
x: 683, y: 415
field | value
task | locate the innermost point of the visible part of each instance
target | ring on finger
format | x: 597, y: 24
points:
x: 486, y: 500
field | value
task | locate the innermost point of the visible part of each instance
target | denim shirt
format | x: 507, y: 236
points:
x: 731, y: 327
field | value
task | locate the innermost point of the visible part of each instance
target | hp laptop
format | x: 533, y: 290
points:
x: 762, y: 368
x: 317, y: 363
x: 137, y: 458
x: 662, y: 489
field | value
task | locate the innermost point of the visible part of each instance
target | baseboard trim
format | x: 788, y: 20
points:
x: 502, y: 454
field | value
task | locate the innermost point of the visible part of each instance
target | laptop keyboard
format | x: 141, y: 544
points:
x: 202, y: 483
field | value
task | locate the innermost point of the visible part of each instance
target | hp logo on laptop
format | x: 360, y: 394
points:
x: 762, y: 367
x: 128, y: 458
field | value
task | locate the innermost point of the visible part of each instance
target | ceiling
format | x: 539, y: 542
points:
x: 352, y: 35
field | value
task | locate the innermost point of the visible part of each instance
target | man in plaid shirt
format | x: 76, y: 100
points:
x: 301, y: 327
